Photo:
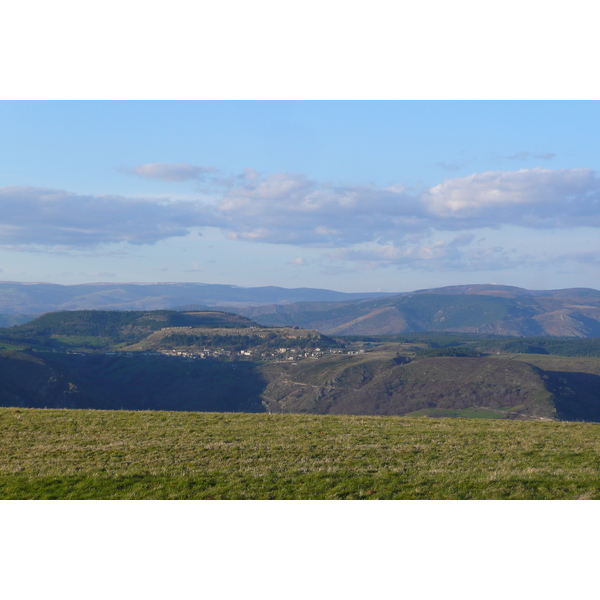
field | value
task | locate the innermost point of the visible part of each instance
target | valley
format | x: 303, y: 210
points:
x: 216, y: 361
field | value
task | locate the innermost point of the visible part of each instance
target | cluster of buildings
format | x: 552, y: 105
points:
x: 278, y: 355
x: 196, y: 353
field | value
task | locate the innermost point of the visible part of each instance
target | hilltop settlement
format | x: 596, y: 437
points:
x: 209, y: 360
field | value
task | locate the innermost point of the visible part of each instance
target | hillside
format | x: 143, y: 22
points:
x: 374, y: 383
x: 98, y: 329
x: 255, y: 339
x: 497, y: 310
x: 56, y: 380
x: 575, y: 382
x: 84, y: 454
x: 509, y: 291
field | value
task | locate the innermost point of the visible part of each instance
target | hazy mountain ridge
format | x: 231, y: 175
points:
x: 14, y: 319
x: 36, y: 298
x: 498, y: 310
x: 479, y: 308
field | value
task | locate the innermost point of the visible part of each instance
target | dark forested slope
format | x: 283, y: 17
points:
x: 104, y: 328
x: 371, y: 384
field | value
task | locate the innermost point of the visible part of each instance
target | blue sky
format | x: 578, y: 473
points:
x: 346, y: 195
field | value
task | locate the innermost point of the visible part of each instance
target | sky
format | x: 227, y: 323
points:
x: 345, y: 195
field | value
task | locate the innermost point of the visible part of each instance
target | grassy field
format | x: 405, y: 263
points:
x: 467, y: 413
x: 547, y: 362
x: 85, y: 454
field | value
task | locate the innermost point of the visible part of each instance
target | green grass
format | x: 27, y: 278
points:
x: 79, y: 341
x: 7, y: 346
x: 80, y: 454
x: 467, y: 413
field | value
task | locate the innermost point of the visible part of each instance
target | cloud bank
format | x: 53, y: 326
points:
x: 289, y: 208
x: 46, y: 217
x: 539, y: 198
x: 366, y: 225
x: 169, y: 171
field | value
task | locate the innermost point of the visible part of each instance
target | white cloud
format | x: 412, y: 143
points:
x: 289, y: 208
x: 529, y: 197
x: 364, y: 224
x: 47, y: 217
x: 169, y: 171
x: 298, y: 262
x: 250, y: 175
x: 457, y: 254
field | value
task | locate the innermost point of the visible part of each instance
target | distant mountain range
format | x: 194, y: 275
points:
x: 490, y: 309
x: 37, y: 298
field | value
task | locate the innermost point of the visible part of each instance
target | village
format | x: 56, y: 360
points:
x: 279, y: 355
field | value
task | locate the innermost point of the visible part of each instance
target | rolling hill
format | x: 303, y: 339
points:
x: 497, y: 310
x: 103, y: 329
x: 376, y: 386
x: 258, y: 339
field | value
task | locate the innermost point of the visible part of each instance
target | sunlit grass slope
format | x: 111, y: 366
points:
x: 120, y: 454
